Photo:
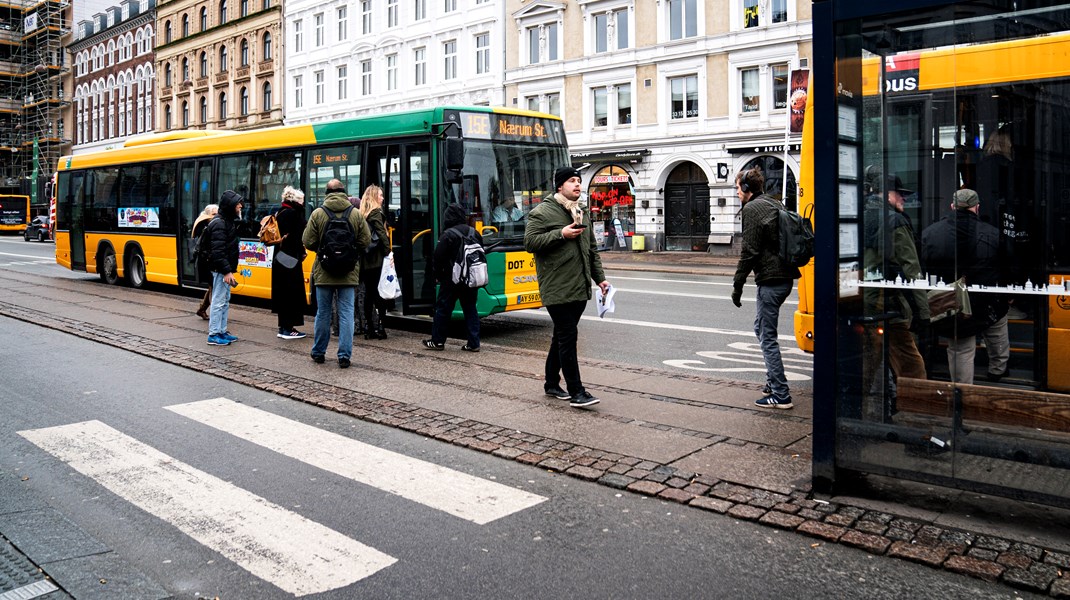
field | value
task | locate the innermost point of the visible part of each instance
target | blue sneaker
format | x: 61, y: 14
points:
x: 772, y: 401
x: 218, y: 340
x: 229, y: 337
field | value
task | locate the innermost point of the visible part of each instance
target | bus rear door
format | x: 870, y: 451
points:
x: 195, y: 192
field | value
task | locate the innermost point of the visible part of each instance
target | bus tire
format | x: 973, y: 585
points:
x: 107, y: 266
x: 135, y: 269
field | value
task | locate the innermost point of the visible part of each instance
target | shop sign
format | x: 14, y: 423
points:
x: 771, y: 149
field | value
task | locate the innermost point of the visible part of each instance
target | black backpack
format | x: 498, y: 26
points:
x: 796, y: 236
x: 337, y: 250
x: 202, y: 248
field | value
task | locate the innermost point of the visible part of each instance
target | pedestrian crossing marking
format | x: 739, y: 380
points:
x: 459, y: 494
x: 296, y: 554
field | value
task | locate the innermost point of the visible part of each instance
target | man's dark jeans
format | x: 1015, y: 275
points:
x: 770, y: 299
x: 561, y: 359
x: 448, y: 295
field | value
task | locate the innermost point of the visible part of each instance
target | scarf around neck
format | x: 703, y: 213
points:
x: 572, y: 206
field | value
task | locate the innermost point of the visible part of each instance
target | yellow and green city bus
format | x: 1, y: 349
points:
x: 14, y: 213
x: 126, y: 214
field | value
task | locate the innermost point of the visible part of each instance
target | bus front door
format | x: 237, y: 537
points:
x: 195, y: 192
x: 404, y: 172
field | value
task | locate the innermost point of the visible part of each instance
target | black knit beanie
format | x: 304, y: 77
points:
x: 564, y: 174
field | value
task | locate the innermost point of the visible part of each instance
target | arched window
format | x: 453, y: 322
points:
x: 267, y: 46
x: 222, y: 106
x: 204, y: 64
x: 267, y: 96
x: 185, y: 25
x: 243, y: 107
x: 222, y: 11
x: 167, y: 32
x: 223, y: 58
x: 204, y: 19
x: 167, y: 75
x: 167, y: 116
x: 185, y: 114
x: 204, y: 110
x: 185, y: 69
x: 245, y: 53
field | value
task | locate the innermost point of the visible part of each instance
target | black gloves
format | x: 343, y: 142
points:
x: 737, y: 297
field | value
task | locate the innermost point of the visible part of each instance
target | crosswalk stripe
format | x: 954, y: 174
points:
x: 453, y: 492
x: 297, y: 555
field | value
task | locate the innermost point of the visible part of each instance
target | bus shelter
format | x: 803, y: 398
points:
x: 942, y: 272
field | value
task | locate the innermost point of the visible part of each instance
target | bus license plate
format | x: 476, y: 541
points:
x: 528, y: 298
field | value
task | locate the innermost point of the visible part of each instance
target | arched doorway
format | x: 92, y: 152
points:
x: 773, y: 169
x: 687, y: 201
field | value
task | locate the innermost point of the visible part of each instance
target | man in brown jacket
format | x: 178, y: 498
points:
x: 761, y: 254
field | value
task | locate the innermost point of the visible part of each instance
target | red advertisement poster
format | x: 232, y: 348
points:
x: 800, y: 84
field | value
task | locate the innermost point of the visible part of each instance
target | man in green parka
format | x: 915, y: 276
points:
x: 566, y: 261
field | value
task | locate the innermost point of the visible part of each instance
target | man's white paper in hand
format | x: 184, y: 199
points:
x: 604, y: 302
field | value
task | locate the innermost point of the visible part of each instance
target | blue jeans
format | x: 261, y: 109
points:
x: 562, y: 358
x: 448, y: 295
x: 217, y: 319
x: 344, y: 295
x: 770, y: 299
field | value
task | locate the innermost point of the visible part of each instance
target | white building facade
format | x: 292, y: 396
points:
x: 664, y: 101
x: 346, y: 58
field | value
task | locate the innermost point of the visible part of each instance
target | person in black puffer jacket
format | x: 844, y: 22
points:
x: 223, y: 235
x: 288, y: 283
x: 455, y: 227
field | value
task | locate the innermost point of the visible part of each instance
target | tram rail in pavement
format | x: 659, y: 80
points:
x: 680, y: 437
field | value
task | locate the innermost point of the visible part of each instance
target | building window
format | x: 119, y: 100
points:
x: 343, y: 23
x: 204, y: 64
x: 299, y: 36
x: 753, y: 17
x: 366, y: 16
x: 366, y: 77
x: 222, y: 105
x: 532, y: 103
x: 624, y: 104
x: 542, y: 43
x: 166, y: 33
x: 204, y: 110
x: 611, y: 31
x: 343, y: 82
x: 317, y: 28
x: 185, y: 25
x: 222, y: 11
x: 185, y: 69
x: 299, y: 97
x: 204, y: 19
x: 223, y: 59
x: 243, y: 102
x: 419, y: 60
x: 612, y: 201
x: 420, y: 9
x: 266, y: 5
x: 167, y: 116
x: 483, y: 53
x: 391, y: 13
x: 683, y: 19
x: 244, y: 53
x: 449, y: 53
x: 780, y: 86
x: 318, y: 81
x: 780, y: 11
x: 267, y: 46
x: 167, y: 75
x: 750, y: 89
x: 601, y: 108
x: 267, y: 96
x: 392, y: 72
x: 684, y: 97
x: 553, y: 104
x: 185, y: 114
x: 243, y: 8
x: 450, y: 6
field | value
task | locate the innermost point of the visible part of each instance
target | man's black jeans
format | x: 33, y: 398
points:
x: 561, y: 359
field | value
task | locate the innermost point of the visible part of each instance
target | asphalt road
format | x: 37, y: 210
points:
x: 208, y: 488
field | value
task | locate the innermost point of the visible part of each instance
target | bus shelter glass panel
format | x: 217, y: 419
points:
x: 953, y: 210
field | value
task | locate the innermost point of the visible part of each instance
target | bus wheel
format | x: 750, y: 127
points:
x: 108, y: 268
x: 135, y: 270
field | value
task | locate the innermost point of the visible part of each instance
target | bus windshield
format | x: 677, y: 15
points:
x: 502, y: 182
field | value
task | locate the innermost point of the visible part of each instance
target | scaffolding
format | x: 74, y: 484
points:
x: 32, y: 100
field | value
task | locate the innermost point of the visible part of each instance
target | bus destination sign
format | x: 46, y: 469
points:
x: 503, y: 127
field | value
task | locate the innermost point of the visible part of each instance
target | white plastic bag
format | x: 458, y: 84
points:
x: 389, y: 286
